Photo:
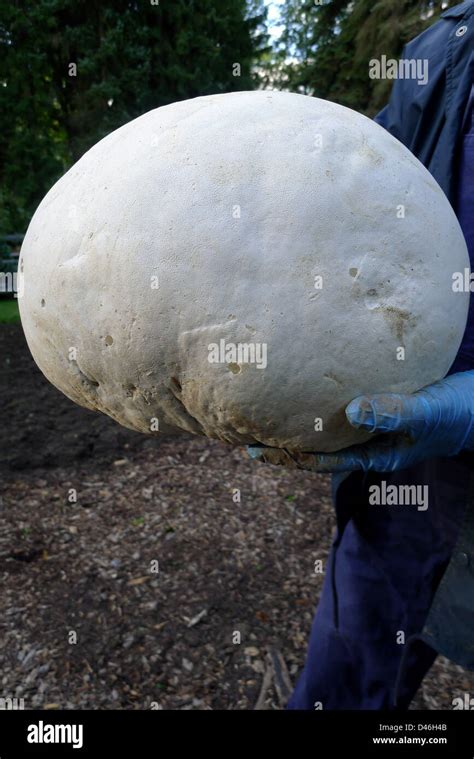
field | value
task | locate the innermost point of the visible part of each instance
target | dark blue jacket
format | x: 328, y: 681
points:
x: 428, y: 118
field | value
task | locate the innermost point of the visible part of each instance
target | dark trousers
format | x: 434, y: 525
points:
x: 385, y: 566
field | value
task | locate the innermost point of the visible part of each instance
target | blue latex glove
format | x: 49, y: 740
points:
x: 435, y: 421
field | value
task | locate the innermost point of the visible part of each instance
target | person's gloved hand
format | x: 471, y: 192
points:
x: 435, y: 421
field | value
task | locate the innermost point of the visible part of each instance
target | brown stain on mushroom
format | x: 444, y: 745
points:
x: 398, y: 319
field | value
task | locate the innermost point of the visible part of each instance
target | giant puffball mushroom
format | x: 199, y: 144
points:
x: 242, y: 266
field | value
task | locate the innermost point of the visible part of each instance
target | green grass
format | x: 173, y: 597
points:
x: 9, y: 311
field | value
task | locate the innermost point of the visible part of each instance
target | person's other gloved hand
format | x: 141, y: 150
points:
x: 435, y: 421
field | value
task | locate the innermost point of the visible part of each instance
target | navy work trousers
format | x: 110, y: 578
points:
x: 385, y: 565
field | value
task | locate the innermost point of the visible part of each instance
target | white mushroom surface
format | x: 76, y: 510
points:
x: 242, y: 266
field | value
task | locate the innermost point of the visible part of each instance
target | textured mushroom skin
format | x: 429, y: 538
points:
x: 209, y: 220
